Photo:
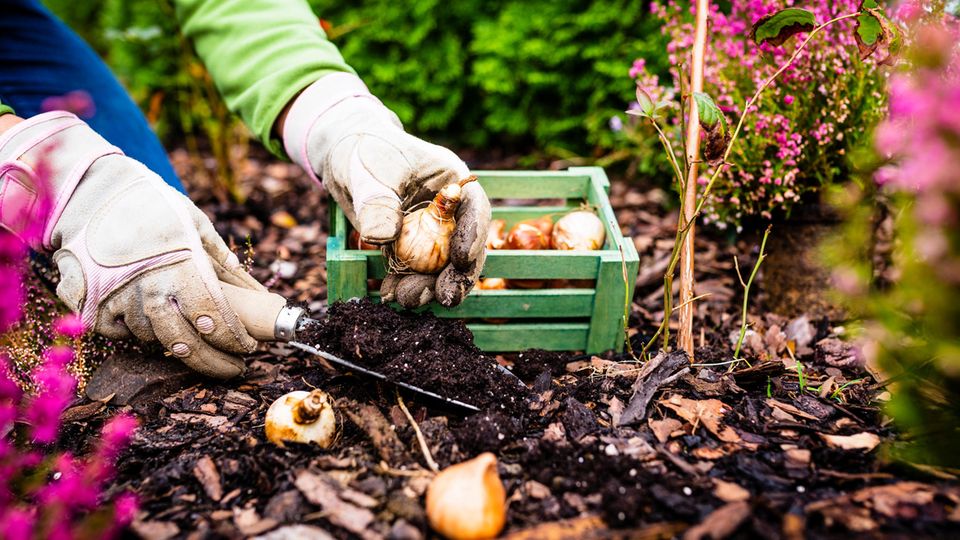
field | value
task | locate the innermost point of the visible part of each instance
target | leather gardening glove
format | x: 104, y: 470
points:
x: 342, y: 134
x: 135, y: 256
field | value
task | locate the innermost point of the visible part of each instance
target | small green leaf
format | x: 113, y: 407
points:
x: 874, y: 30
x: 645, y: 101
x: 778, y: 27
x: 715, y: 137
x: 708, y: 112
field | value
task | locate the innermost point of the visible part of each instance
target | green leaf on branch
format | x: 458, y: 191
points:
x: 708, y: 112
x: 778, y: 27
x: 645, y: 101
x: 874, y: 31
x: 715, y: 137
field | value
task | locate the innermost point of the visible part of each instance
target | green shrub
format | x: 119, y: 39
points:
x: 532, y: 75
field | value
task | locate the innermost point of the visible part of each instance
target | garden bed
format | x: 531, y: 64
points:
x: 768, y: 449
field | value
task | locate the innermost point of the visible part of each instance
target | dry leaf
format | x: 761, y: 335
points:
x: 663, y: 428
x: 860, y: 441
x: 708, y: 412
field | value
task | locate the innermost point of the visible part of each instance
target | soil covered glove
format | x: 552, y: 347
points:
x: 136, y: 257
x: 340, y: 133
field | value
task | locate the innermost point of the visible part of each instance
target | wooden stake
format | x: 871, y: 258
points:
x: 685, y: 334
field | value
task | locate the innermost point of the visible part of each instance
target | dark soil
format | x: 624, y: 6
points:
x: 724, y: 450
x: 419, y: 349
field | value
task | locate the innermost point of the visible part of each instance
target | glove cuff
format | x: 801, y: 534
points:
x: 326, y: 98
x: 41, y: 163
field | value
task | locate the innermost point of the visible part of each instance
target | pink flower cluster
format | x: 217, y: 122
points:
x: 45, y: 493
x: 796, y: 140
x: 921, y: 140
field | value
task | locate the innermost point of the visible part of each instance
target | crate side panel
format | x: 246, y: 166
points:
x: 523, y: 336
x: 533, y: 185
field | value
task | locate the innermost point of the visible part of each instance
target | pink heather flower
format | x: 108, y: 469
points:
x: 638, y: 67
x: 70, y: 325
x: 788, y: 99
x: 17, y: 524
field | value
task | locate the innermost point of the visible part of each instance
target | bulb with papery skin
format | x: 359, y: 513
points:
x: 424, y: 242
x: 467, y: 501
x: 526, y: 236
x: 497, y: 234
x: 578, y: 230
x: 302, y: 417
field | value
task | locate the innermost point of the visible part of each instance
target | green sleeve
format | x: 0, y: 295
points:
x: 5, y: 109
x: 260, y: 53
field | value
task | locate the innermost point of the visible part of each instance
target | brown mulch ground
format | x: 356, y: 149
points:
x: 790, y: 446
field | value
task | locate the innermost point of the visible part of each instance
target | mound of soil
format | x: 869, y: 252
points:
x: 419, y: 349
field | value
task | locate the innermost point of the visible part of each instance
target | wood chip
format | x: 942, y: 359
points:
x: 861, y: 441
x: 323, y: 493
x: 729, y: 491
x: 155, y: 530
x: 205, y: 471
x: 721, y: 523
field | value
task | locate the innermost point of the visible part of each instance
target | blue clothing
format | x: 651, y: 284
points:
x: 42, y: 58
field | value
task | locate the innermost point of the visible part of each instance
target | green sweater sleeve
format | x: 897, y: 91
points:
x: 260, y: 53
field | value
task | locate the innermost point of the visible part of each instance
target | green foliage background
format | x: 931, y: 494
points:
x: 539, y: 76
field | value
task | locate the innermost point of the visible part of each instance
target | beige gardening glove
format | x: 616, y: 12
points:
x: 342, y: 134
x: 136, y: 257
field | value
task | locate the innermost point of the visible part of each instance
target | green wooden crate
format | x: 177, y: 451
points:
x: 589, y: 320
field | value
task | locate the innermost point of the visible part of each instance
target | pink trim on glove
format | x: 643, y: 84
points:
x: 68, y: 185
x: 20, y: 195
x: 310, y: 106
x: 18, y: 199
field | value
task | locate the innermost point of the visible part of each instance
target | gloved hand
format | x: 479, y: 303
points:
x: 135, y: 256
x: 340, y: 133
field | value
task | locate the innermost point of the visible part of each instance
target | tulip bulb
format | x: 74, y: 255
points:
x: 578, y: 230
x: 467, y: 501
x: 497, y: 235
x: 492, y: 284
x: 424, y: 242
x: 303, y: 417
x: 527, y: 236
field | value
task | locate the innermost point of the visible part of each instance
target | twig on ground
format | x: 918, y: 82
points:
x: 416, y: 429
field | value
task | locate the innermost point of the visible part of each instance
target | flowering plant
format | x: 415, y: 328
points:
x: 911, y: 321
x: 45, y: 493
x: 797, y: 136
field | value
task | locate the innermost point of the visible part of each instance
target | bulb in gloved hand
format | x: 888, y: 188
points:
x: 467, y: 501
x: 424, y: 242
x: 303, y: 417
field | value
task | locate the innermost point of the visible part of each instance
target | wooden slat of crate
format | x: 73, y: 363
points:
x: 519, y: 264
x: 547, y: 336
x: 516, y: 303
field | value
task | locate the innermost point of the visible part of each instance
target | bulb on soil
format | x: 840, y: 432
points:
x: 424, y: 242
x: 303, y: 417
x: 578, y: 230
x: 467, y: 501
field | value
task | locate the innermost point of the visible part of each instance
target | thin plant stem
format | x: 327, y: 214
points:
x: 682, y: 231
x: 424, y: 447
x: 746, y: 290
